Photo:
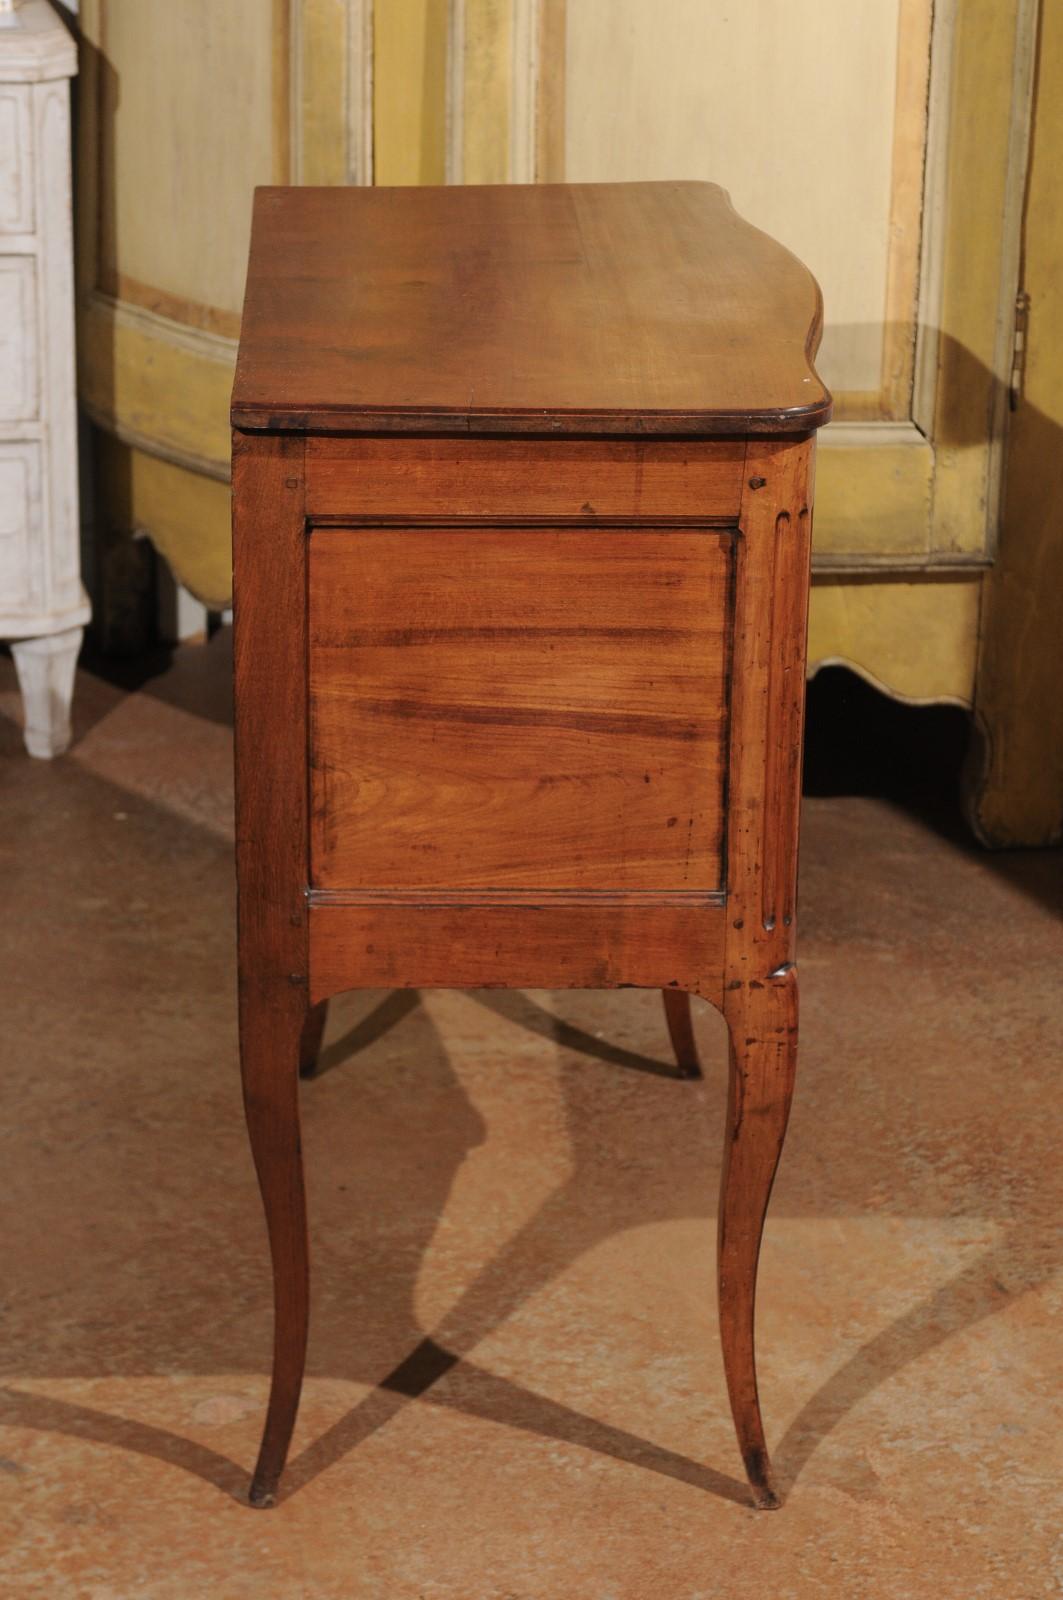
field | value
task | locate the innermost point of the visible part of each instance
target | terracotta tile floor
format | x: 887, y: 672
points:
x: 511, y: 1194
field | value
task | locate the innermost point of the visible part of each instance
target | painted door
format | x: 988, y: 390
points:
x: 883, y: 140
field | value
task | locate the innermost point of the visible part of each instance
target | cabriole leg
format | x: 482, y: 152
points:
x: 681, y: 1032
x: 762, y: 1018
x: 271, y: 1031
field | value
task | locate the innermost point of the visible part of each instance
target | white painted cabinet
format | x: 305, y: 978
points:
x: 43, y: 606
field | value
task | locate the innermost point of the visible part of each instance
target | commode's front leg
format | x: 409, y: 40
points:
x: 762, y: 1018
x: 271, y: 1031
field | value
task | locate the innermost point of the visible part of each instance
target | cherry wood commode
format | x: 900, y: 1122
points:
x: 522, y: 486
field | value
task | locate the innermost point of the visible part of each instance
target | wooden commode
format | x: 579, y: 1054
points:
x: 521, y: 513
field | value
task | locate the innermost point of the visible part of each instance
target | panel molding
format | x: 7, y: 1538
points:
x: 454, y: 157
x: 330, y: 78
x: 471, y: 898
x: 157, y: 384
x: 479, y: 126
x: 910, y: 129
x: 524, y: 108
x: 569, y: 727
x: 935, y: 216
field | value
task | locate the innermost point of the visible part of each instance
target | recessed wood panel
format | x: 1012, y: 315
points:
x: 518, y: 708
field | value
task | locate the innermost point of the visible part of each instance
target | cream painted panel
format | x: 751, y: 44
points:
x: 16, y: 190
x: 789, y: 106
x: 874, y: 492
x: 20, y: 509
x: 18, y: 338
x: 187, y: 131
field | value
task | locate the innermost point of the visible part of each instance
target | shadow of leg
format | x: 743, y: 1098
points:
x: 310, y: 1039
x: 19, y: 1409
x: 385, y: 1015
x: 478, y: 1393
x: 520, y: 1008
x: 681, y: 1032
x: 974, y: 1294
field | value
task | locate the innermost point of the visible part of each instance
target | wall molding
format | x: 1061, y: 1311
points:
x: 524, y: 103
x: 184, y: 336
x: 454, y: 156
x: 470, y: 27
x: 330, y: 85
x: 935, y: 216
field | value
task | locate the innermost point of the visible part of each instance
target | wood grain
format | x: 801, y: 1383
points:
x: 762, y: 1018
x: 504, y: 479
x: 767, y: 706
x: 540, y: 708
x: 760, y: 979
x: 269, y: 647
x: 681, y: 1032
x: 616, y: 308
x: 477, y: 943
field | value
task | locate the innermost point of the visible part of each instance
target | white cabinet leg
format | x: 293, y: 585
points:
x: 45, y: 668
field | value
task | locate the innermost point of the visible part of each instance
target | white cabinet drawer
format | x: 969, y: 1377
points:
x: 16, y: 160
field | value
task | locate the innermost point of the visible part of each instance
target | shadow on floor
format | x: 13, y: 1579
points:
x: 163, y: 1286
x: 419, y: 1114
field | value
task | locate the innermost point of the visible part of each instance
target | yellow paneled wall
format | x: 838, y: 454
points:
x: 429, y: 91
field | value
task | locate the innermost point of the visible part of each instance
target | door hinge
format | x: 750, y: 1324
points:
x: 1018, y: 349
